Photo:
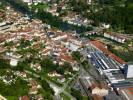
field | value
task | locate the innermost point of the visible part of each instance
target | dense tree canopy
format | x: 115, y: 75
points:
x: 16, y: 89
x: 120, y: 18
x: 76, y: 94
x: 76, y: 55
x: 4, y: 64
x: 46, y: 87
x: 118, y: 13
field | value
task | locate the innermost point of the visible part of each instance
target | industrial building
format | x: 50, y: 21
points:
x: 128, y: 71
x: 117, y: 79
x: 116, y: 76
x: 118, y: 73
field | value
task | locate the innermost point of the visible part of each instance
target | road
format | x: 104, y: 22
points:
x: 60, y: 90
x: 92, y: 71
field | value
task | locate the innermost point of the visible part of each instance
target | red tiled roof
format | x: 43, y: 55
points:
x: 113, y: 56
x: 66, y: 58
x: 130, y: 90
x: 94, y: 85
x: 25, y: 98
x: 96, y: 97
x: 101, y: 46
x: 27, y: 36
x: 1, y: 14
x: 2, y: 38
x: 46, y: 51
x: 64, y: 50
x: 28, y: 29
x: 2, y: 49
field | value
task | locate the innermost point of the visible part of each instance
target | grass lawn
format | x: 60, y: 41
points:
x: 68, y: 89
x: 12, y: 98
x: 84, y: 98
x: 64, y: 96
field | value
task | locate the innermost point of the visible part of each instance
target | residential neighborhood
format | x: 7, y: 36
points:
x: 48, y: 51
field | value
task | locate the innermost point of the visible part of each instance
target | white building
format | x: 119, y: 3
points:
x: 89, y: 1
x: 32, y: 1
x: 13, y: 62
x: 115, y: 37
x: 74, y: 44
x: 4, y: 27
x: 100, y: 92
x: 129, y: 70
x: 59, y: 37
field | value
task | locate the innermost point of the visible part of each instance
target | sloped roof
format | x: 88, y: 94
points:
x: 101, y: 46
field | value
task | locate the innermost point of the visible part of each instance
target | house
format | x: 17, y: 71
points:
x: 38, y: 97
x: 100, y: 92
x: 5, y: 26
x: 89, y: 2
x: 61, y: 79
x: 53, y: 74
x: 33, y: 90
x: 74, y: 44
x: 46, y: 52
x: 53, y: 10
x: 14, y: 62
x: 2, y: 49
x: 96, y: 97
x: 34, y: 87
x: 91, y: 33
x: 36, y: 67
x: 89, y: 85
x: 2, y: 14
x: 106, y: 26
x: 59, y: 37
x: 24, y: 98
x: 14, y: 58
x: 23, y: 74
x: 66, y: 58
x: 32, y: 1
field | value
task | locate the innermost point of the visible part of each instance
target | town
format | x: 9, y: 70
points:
x: 62, y: 58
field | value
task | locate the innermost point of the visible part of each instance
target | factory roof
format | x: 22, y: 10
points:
x: 101, y: 46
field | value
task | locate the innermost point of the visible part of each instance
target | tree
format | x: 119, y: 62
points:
x: 4, y: 63
x: 67, y: 66
x: 59, y: 9
x: 48, y: 65
x: 76, y: 94
x: 46, y: 87
x: 21, y: 66
x: 24, y: 43
x: 85, y: 64
x: 60, y: 70
x: 9, y: 44
x: 76, y: 55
